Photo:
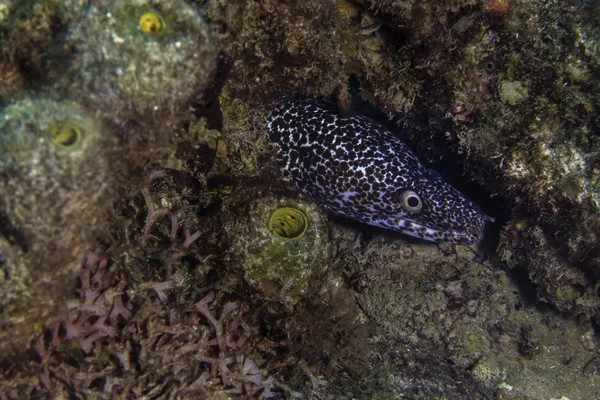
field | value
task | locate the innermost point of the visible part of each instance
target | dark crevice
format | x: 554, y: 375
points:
x: 436, y: 153
x: 10, y: 232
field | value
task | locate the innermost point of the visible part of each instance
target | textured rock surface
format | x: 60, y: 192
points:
x: 129, y: 74
x: 281, y: 269
x: 508, y: 88
x: 450, y: 303
x: 54, y: 201
x: 501, y: 91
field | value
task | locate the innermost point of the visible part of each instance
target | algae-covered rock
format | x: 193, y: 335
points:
x: 501, y: 91
x: 442, y: 306
x: 32, y: 28
x: 144, y: 59
x: 310, y: 46
x: 281, y: 243
x: 512, y: 92
x: 508, y: 88
x: 536, y: 144
x: 57, y: 164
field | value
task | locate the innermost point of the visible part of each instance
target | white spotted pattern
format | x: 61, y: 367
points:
x: 355, y: 167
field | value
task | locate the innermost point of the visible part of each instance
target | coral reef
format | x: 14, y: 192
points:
x: 152, y: 315
x: 198, y: 287
x: 470, y: 81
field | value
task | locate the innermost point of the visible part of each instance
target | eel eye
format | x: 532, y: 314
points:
x: 411, y: 201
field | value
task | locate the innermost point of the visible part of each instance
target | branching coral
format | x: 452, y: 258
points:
x: 131, y: 332
x: 114, y: 340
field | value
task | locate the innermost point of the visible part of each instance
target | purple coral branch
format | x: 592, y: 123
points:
x: 202, y: 308
x: 199, y: 384
x: 119, y: 309
x: 189, y: 240
x: 88, y: 343
x: 174, y: 227
x: 154, y: 214
x: 159, y: 288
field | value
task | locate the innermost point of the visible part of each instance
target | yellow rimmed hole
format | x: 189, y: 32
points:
x: 152, y: 23
x: 288, y: 223
x: 66, y: 135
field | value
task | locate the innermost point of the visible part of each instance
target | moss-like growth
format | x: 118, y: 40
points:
x: 512, y: 92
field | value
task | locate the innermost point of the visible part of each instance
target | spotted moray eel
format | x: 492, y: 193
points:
x: 355, y: 167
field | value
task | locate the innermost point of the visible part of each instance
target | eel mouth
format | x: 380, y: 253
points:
x: 434, y: 234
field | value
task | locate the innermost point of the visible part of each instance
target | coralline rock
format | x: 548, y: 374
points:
x: 512, y: 93
x: 446, y: 305
x: 142, y: 60
x: 57, y: 164
x: 280, y: 243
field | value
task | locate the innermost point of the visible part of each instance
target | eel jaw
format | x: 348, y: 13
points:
x: 432, y: 234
